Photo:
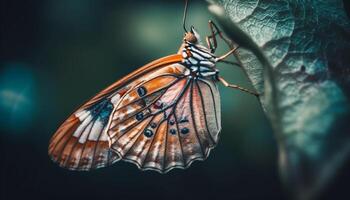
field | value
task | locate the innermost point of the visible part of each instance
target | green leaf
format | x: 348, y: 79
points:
x: 296, y: 55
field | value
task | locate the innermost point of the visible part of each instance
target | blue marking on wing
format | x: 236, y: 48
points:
x: 102, y: 110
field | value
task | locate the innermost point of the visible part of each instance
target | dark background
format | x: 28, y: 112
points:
x: 55, y: 54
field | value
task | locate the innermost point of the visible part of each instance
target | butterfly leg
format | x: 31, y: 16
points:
x: 212, y: 43
x: 221, y: 58
x: 211, y: 39
x: 226, y: 84
x: 214, y: 32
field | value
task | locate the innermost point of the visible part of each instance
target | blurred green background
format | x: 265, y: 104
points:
x: 55, y: 55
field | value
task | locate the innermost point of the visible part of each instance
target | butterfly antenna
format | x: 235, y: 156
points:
x: 185, y: 14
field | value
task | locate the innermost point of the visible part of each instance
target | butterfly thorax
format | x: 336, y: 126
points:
x: 199, y: 60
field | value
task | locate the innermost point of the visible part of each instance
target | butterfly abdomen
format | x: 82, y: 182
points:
x: 199, y: 60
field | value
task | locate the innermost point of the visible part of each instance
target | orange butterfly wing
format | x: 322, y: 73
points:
x: 166, y: 122
x: 81, y: 142
x: 158, y: 117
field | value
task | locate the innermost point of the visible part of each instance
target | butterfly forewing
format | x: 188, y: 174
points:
x: 81, y: 142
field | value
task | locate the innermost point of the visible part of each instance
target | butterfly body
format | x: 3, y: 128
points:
x: 199, y: 60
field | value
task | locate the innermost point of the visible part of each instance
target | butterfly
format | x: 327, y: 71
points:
x: 162, y: 116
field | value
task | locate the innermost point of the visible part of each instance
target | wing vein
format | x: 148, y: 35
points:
x: 155, y: 133
x: 95, y: 148
x: 212, y: 95
x: 157, y: 64
x: 147, y: 95
x: 70, y: 137
x: 193, y: 120
x: 165, y: 145
x: 82, y: 151
x: 205, y: 118
x: 174, y: 113
x: 146, y: 107
x: 176, y: 122
x: 59, y: 141
x: 140, y: 133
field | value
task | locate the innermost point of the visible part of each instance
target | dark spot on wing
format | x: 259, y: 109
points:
x: 139, y: 116
x: 141, y: 91
x: 148, y: 133
x: 172, y: 131
x: 184, y: 130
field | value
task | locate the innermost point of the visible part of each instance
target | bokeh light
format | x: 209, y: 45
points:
x: 17, y: 96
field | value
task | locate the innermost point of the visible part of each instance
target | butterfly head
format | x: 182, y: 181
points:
x: 192, y: 36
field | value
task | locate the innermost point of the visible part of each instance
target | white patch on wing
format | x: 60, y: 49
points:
x: 121, y: 128
x: 82, y: 114
x: 96, y: 131
x: 127, y: 98
x: 130, y: 109
x: 85, y: 134
x: 104, y: 136
x: 115, y: 99
x: 82, y: 126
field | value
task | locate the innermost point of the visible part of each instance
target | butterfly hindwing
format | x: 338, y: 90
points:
x: 166, y: 122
